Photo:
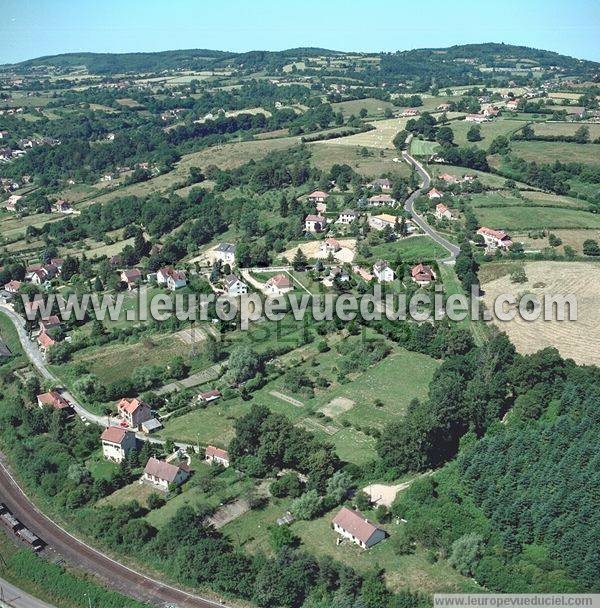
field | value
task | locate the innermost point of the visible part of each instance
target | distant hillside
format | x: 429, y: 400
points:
x: 461, y: 61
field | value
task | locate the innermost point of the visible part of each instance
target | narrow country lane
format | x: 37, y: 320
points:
x: 452, y: 249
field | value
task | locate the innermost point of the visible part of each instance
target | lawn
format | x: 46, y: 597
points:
x: 534, y: 218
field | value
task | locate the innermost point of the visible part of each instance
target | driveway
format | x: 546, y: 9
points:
x: 452, y: 249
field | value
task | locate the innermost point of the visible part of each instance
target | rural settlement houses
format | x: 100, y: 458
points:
x: 117, y: 443
x: 162, y: 474
x: 495, y: 239
x: 134, y: 412
x: 216, y: 455
x: 357, y: 528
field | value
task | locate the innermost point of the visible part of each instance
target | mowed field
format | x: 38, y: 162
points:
x: 575, y: 339
x: 566, y: 128
x: 535, y: 218
x: 374, y: 107
x: 380, y: 137
x: 551, y: 151
x: 488, y: 130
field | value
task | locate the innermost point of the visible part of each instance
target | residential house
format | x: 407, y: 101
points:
x: 408, y: 112
x: 449, y: 179
x: 12, y: 202
x: 383, y: 272
x: 442, y: 212
x: 279, y: 284
x: 163, y: 475
x: 383, y: 184
x: 39, y: 276
x: 133, y: 412
x: 132, y: 277
x: 62, y: 206
x: 512, y: 105
x: 44, y: 342
x: 495, y: 239
x: 58, y: 262
x: 491, y: 111
x: 173, y: 279
x: 335, y: 274
x: 208, y: 396
x: 381, y: 200
x: 422, y: 274
x: 13, y: 286
x: 576, y: 111
x: 314, y: 223
x: 318, y: 196
x: 53, y: 399
x: 347, y: 216
x: 444, y: 107
x: 379, y: 222
x: 354, y: 526
x: 434, y: 193
x: 117, y: 442
x: 330, y: 245
x: 50, y: 322
x: 234, y: 286
x: 225, y: 252
x: 216, y: 455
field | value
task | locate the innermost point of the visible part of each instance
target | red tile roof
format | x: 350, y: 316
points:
x: 114, y: 434
x: 131, y: 405
x: 213, y: 451
x: 355, y: 523
x: 45, y: 340
x: 280, y: 280
x: 163, y: 470
x: 54, y: 399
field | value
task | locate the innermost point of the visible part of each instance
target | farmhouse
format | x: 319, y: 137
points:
x: 336, y: 273
x: 62, y: 206
x: 279, y: 284
x: 117, y: 443
x: 422, y: 274
x: 381, y: 200
x: 225, y: 252
x: 131, y: 277
x: 13, y: 199
x: 495, y: 238
x: 318, y: 196
x: 214, y: 454
x: 449, y: 179
x: 512, y: 105
x: 379, y: 222
x: 434, y: 193
x: 133, y: 412
x: 234, y: 286
x: 356, y: 527
x: 347, y: 216
x: 442, y: 212
x: 53, y: 399
x: 163, y: 474
x: 383, y: 272
x: 314, y: 223
x: 576, y: 111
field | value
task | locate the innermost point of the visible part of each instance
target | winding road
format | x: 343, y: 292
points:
x: 409, y: 205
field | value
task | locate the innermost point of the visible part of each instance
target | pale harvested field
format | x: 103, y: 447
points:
x: 381, y: 137
x: 574, y: 339
x: 337, y: 406
x: 381, y: 494
x: 573, y: 238
x: 311, y: 251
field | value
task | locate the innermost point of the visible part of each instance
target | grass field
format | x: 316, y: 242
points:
x: 505, y: 198
x: 573, y: 238
x: 10, y: 337
x: 412, y: 249
x: 566, y: 128
x: 516, y: 218
x: 489, y: 130
x: 487, y: 179
x: 421, y: 147
x: 549, y: 152
x: 374, y: 107
x: 325, y: 154
x: 576, y: 339
x: 380, y: 137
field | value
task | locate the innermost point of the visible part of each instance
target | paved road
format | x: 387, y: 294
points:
x: 452, y: 249
x: 13, y: 597
x: 115, y: 575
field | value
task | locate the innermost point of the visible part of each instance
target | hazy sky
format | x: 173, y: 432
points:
x: 31, y: 28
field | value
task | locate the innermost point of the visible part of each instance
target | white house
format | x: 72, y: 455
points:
x: 234, y: 286
x: 379, y: 222
x: 318, y: 196
x: 347, y: 216
x: 434, y: 193
x: 314, y: 223
x: 225, y: 252
x: 330, y: 245
x: 495, y: 238
x: 383, y: 272
x: 442, y: 212
x: 163, y: 474
x: 117, y: 442
x: 381, y: 200
x: 214, y: 454
x: 384, y: 184
x: 354, y: 526
x: 279, y: 284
